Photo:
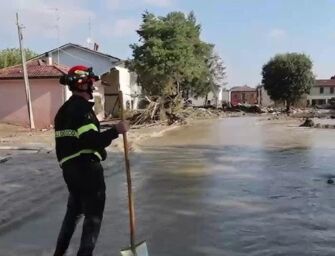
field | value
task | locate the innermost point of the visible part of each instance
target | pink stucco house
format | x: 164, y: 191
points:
x: 46, y: 93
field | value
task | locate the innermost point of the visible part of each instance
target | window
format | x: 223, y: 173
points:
x: 321, y: 102
x: 321, y: 90
x: 331, y: 90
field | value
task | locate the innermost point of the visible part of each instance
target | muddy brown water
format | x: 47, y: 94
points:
x: 237, y: 186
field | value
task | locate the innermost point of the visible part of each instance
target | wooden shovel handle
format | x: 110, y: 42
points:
x: 130, y: 193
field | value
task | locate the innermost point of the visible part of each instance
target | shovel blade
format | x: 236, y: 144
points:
x: 141, y: 249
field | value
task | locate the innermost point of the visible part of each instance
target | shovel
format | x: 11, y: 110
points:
x: 139, y: 249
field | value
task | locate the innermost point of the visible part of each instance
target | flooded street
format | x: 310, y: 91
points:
x: 236, y: 186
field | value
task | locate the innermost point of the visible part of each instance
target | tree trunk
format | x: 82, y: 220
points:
x: 288, y: 107
x: 206, y: 98
x: 178, y: 87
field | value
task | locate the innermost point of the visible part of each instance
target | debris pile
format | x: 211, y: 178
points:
x: 307, y: 123
x: 159, y: 110
x: 247, y: 108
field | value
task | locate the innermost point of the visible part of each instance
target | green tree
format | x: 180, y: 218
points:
x: 287, y: 77
x: 12, y: 56
x: 170, y: 56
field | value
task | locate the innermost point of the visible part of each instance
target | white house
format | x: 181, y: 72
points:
x: 263, y: 98
x: 214, y: 99
x: 73, y: 54
x: 225, y: 98
x: 322, y: 91
x: 120, y: 78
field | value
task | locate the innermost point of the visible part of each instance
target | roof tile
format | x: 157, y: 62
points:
x: 35, y: 69
x: 325, y: 82
x: 244, y: 88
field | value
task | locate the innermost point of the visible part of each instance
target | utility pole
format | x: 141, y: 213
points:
x: 58, y: 30
x: 25, y: 74
x: 57, y: 27
x: 58, y: 33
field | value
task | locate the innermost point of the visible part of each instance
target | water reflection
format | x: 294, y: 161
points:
x: 239, y: 186
x: 238, y: 191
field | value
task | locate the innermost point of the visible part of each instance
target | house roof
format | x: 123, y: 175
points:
x: 63, y: 47
x: 325, y: 83
x: 244, y: 88
x: 35, y: 69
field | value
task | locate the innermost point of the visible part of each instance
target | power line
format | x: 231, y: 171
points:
x: 58, y: 29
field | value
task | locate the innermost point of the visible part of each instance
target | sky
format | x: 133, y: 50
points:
x: 246, y: 33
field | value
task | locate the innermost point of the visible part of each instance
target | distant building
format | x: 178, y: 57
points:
x: 225, y: 99
x: 322, y: 91
x: 213, y: 99
x: 243, y: 95
x: 263, y: 98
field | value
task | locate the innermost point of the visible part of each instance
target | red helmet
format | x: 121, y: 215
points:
x: 82, y: 74
x: 78, y: 67
x: 79, y: 74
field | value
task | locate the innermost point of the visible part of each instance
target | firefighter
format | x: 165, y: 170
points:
x: 80, y: 146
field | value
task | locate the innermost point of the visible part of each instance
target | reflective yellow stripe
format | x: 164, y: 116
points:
x: 68, y: 158
x: 66, y: 133
x: 84, y: 151
x: 98, y: 155
x: 86, y: 128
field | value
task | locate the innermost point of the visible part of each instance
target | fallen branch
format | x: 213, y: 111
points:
x: 161, y: 110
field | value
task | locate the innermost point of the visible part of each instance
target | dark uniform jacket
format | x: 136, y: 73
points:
x: 77, y: 132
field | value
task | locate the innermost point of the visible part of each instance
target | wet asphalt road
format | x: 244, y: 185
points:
x: 232, y: 187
